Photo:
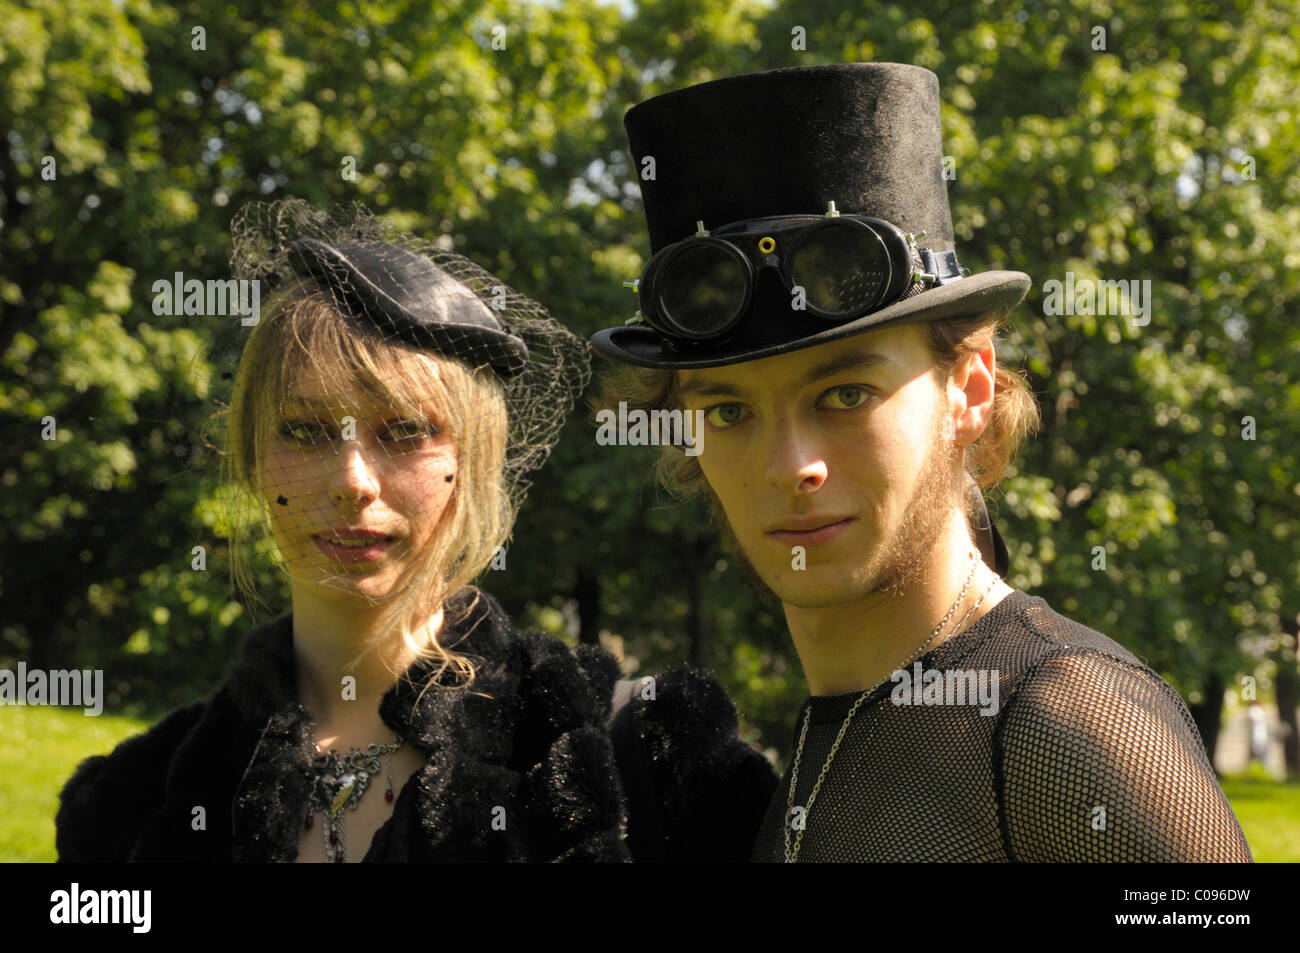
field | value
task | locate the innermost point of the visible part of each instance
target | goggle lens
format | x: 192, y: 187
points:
x: 704, y: 288
x: 843, y: 270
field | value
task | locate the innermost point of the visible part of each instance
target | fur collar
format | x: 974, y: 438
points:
x: 527, y: 737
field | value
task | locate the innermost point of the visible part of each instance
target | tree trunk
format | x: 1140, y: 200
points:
x: 1288, y: 693
x: 586, y: 590
x: 698, y: 651
x: 1207, y: 713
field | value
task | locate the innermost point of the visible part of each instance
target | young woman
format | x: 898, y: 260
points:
x: 389, y: 404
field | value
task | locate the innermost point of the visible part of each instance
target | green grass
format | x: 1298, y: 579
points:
x: 1269, y: 814
x: 40, y: 747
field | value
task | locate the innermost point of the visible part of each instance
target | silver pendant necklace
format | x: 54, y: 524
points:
x: 338, y: 783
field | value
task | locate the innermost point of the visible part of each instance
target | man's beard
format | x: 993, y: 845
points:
x: 765, y: 594
x: 905, y: 559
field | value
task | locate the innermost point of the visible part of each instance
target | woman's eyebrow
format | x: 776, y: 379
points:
x: 851, y: 361
x: 302, y: 402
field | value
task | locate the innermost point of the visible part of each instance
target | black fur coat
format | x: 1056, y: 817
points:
x: 667, y: 779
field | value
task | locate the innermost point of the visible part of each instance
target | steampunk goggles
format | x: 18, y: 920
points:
x: 837, y: 267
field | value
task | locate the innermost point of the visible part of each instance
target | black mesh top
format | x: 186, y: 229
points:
x: 1087, y: 755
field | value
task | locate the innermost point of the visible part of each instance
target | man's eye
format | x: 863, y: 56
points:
x: 722, y: 416
x: 846, y: 397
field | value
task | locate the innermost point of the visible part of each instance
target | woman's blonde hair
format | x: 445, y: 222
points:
x: 1015, y: 411
x: 301, y: 331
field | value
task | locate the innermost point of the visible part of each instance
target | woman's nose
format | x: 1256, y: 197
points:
x: 357, y: 475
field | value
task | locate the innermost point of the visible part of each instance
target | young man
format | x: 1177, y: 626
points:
x: 805, y: 298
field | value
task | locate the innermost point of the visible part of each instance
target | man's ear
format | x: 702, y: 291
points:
x: 970, y: 391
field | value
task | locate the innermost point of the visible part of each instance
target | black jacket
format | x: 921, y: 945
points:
x: 532, y: 736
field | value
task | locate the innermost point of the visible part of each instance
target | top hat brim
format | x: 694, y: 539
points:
x: 986, y: 292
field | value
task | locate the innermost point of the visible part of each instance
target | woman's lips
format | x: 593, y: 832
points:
x: 811, y: 537
x: 353, y: 554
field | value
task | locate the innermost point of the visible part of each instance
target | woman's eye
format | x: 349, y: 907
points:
x: 405, y: 430
x: 722, y: 416
x: 302, y: 432
x: 846, y: 397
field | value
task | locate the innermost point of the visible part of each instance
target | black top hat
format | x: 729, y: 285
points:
x: 865, y: 136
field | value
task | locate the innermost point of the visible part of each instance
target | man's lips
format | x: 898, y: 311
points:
x: 809, y: 531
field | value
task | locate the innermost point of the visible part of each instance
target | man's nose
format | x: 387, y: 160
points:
x: 795, y: 463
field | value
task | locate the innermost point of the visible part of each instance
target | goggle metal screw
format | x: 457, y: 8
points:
x: 831, y: 211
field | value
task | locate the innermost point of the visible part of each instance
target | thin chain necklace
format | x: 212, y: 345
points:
x: 338, y: 782
x: 792, y: 855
